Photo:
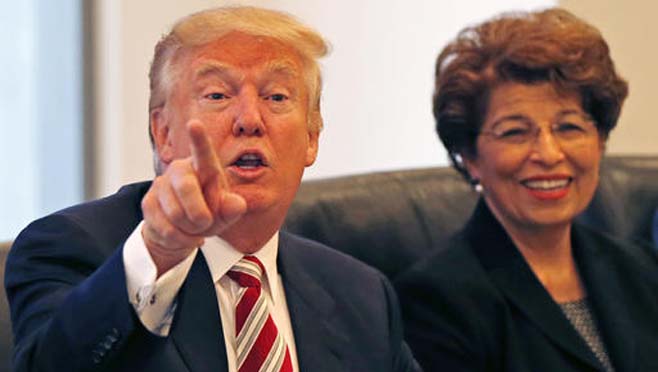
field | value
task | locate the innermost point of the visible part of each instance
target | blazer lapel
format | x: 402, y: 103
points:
x: 607, y: 297
x: 320, y: 342
x: 512, y: 275
x: 197, y: 329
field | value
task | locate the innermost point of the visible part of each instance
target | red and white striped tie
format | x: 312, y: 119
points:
x: 259, y: 345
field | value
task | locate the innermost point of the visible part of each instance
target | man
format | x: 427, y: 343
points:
x: 121, y: 283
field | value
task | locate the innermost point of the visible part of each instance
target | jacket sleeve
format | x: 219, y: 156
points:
x: 403, y: 359
x: 441, y: 329
x: 68, y: 298
x: 655, y: 235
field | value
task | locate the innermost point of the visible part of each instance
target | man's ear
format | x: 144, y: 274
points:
x: 160, y: 132
x: 312, y: 147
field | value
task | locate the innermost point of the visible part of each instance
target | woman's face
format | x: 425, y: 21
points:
x: 538, y: 156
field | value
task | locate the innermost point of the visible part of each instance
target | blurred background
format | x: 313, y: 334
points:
x: 74, y: 87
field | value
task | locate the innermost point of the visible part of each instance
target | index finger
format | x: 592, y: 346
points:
x: 204, y: 158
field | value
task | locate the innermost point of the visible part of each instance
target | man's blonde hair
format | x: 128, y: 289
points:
x: 206, y: 26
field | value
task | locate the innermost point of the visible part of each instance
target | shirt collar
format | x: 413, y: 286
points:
x: 221, y: 256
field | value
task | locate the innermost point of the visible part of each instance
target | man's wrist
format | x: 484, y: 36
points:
x: 164, y: 258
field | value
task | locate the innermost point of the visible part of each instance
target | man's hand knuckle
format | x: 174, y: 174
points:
x: 168, y: 233
x: 176, y: 215
x: 200, y: 217
x: 187, y: 185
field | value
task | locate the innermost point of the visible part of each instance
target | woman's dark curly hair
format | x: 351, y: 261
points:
x: 547, y: 46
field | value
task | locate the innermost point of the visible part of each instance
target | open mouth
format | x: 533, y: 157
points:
x: 547, y: 185
x: 249, y: 161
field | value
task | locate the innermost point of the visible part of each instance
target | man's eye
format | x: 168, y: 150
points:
x: 278, y: 97
x: 216, y: 96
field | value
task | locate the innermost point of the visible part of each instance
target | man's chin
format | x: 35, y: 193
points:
x: 258, y: 198
x: 262, y: 200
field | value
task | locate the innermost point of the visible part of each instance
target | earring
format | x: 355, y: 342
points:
x: 477, y: 186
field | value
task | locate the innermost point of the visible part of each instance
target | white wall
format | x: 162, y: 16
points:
x: 378, y: 79
x: 40, y: 110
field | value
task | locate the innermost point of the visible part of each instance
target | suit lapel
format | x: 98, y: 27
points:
x: 320, y: 342
x: 197, y: 329
x: 607, y: 297
x: 512, y: 275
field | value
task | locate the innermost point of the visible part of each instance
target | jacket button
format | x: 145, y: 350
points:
x: 97, y: 356
x: 111, y: 338
x: 114, y: 335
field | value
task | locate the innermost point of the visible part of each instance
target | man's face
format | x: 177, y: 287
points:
x: 249, y: 93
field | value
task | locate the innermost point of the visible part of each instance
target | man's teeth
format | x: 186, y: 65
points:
x: 547, y: 184
x: 250, y: 157
x: 249, y: 161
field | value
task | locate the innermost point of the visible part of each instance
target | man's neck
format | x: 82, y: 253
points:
x: 252, y: 231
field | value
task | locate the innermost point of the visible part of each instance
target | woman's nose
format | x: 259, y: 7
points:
x: 547, y: 148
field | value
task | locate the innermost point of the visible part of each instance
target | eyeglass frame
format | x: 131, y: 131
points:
x: 534, y: 130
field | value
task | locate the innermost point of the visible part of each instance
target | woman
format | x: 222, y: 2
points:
x: 524, y: 104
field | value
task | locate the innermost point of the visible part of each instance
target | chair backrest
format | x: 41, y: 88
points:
x: 390, y: 219
x: 6, y: 337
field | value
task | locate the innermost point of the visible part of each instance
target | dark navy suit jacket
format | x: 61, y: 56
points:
x: 477, y: 306
x: 655, y: 231
x: 66, y: 286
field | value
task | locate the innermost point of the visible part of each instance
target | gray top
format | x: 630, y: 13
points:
x: 582, y: 319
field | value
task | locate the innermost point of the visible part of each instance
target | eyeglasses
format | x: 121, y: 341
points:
x: 571, y: 130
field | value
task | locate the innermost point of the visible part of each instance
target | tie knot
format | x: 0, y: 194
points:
x: 247, y: 272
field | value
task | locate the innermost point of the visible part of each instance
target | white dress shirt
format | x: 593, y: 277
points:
x: 155, y: 300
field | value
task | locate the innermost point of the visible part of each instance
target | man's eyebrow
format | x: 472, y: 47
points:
x: 215, y: 68
x: 282, y: 67
x: 275, y: 67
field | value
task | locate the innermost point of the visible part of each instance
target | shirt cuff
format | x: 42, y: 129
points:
x: 153, y: 300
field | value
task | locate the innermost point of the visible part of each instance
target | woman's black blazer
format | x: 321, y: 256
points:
x: 475, y: 305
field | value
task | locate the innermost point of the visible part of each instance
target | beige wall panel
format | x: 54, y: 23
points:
x: 631, y: 30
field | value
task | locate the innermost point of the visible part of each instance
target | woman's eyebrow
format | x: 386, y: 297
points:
x: 510, y: 117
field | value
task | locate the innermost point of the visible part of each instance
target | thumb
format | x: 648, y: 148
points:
x: 232, y: 207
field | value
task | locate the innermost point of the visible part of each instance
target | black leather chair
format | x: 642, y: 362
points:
x: 5, y: 325
x: 390, y: 219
